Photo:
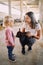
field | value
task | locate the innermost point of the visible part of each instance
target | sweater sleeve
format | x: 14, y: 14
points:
x: 9, y: 36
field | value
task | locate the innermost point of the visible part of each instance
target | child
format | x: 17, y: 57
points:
x: 8, y: 21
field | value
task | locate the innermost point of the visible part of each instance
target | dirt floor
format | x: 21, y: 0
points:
x: 34, y: 57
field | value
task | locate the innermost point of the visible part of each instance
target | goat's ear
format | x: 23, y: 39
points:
x: 19, y: 29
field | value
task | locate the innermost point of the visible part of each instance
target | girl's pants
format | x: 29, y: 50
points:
x: 10, y: 50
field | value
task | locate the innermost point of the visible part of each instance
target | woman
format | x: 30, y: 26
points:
x: 33, y: 29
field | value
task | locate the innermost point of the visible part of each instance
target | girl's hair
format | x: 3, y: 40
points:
x: 7, y: 19
x: 33, y: 19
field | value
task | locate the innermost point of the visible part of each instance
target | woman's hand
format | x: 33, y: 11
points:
x: 29, y: 34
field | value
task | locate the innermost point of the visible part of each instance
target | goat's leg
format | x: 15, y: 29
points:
x: 23, y: 50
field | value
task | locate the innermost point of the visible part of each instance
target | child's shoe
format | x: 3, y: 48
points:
x: 12, y: 60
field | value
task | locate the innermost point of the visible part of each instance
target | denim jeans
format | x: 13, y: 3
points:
x: 10, y: 50
x: 27, y: 41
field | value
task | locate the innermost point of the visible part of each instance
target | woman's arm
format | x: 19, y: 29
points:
x: 38, y: 34
x: 35, y: 36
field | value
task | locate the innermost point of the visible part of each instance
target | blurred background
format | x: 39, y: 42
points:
x: 18, y: 8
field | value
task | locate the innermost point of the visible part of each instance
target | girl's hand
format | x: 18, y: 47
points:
x: 13, y: 45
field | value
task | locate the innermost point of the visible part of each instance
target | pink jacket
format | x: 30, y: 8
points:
x: 9, y: 37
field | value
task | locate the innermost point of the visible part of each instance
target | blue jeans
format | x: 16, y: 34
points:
x: 30, y: 41
x: 27, y: 41
x: 10, y: 50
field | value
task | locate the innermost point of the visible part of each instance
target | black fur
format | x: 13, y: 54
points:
x: 24, y: 40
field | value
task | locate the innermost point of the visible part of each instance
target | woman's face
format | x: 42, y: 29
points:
x: 27, y: 19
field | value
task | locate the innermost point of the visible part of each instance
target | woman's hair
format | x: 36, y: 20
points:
x: 33, y: 19
x: 7, y: 19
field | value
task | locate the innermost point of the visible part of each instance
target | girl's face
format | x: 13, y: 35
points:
x: 11, y: 23
x: 27, y: 19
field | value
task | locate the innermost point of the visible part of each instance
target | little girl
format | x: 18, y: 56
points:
x: 8, y: 22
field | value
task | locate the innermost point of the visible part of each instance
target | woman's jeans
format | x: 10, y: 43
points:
x: 27, y: 41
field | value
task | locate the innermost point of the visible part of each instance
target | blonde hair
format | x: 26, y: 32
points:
x: 7, y: 19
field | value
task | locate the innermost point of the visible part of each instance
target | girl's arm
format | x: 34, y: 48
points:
x: 10, y: 38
